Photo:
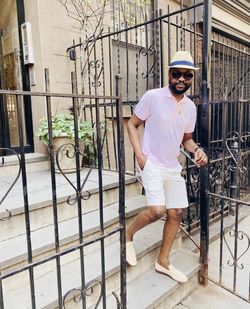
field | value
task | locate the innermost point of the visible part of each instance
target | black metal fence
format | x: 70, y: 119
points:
x: 79, y: 293
x: 141, y: 54
x: 230, y: 268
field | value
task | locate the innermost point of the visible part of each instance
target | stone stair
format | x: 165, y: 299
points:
x: 162, y: 292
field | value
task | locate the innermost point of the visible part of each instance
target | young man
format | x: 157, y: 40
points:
x: 169, y: 118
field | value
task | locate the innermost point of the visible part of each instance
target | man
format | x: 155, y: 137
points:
x: 169, y: 118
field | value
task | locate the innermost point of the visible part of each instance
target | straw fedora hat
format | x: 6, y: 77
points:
x: 183, y: 59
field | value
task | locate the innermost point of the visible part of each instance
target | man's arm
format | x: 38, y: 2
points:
x: 134, y: 137
x: 199, y: 155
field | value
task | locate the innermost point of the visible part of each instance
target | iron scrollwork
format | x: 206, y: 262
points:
x: 118, y: 302
x: 240, y: 236
x: 151, y: 51
x: 80, y: 294
x: 8, y: 215
x: 70, y: 151
x: 234, y: 150
x: 97, y: 66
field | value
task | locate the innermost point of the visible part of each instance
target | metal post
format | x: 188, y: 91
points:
x: 204, y: 125
x: 121, y: 163
x: 53, y: 186
x: 78, y: 182
x: 234, y: 176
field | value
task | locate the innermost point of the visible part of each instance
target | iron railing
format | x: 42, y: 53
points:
x: 86, y: 288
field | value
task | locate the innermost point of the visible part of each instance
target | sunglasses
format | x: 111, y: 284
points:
x: 178, y: 74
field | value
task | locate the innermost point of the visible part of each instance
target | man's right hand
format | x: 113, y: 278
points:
x: 142, y: 161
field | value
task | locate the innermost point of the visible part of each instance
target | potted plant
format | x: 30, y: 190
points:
x: 63, y: 140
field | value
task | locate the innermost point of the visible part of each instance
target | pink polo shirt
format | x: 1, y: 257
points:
x: 166, y: 121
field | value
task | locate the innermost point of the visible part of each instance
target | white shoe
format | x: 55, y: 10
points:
x: 130, y: 254
x: 172, y: 272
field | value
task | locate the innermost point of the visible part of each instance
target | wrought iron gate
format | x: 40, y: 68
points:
x: 73, y: 151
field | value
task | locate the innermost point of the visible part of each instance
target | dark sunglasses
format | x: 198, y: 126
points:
x: 178, y: 74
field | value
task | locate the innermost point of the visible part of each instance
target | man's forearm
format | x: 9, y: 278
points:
x: 135, y: 141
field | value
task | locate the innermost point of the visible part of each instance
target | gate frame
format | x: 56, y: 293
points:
x: 204, y: 125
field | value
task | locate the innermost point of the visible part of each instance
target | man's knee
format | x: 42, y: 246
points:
x: 156, y: 212
x: 175, y: 214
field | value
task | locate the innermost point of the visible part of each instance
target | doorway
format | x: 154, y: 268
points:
x: 13, y: 76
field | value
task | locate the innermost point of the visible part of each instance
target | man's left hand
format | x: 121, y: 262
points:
x: 200, y: 157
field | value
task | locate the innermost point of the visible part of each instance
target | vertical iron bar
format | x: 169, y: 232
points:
x: 78, y: 181
x: 89, y: 79
x: 249, y: 287
x: 161, y: 50
x: 155, y: 39
x: 169, y: 36
x: 204, y: 139
x: 53, y: 185
x: 181, y: 25
x: 99, y: 156
x: 112, y: 108
x: 1, y: 293
x: 236, y: 246
x: 127, y: 64
x: 118, y: 53
x: 136, y: 83
x: 176, y: 33
x: 136, y: 63
x: 99, y: 165
x: 194, y: 50
x: 105, y: 107
x: 221, y: 239
x: 26, y: 200
x: 224, y: 137
x: 121, y: 155
x: 188, y: 185
x: 213, y: 70
x: 147, y: 62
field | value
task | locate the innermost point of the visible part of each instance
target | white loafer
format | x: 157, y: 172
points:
x: 172, y: 272
x: 130, y: 254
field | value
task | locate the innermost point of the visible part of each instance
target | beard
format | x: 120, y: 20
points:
x: 178, y: 91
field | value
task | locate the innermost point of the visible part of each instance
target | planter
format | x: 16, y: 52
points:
x: 63, y: 132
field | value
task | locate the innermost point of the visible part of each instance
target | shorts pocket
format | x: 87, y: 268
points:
x: 145, y: 165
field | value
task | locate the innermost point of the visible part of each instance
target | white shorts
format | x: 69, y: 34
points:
x: 164, y: 186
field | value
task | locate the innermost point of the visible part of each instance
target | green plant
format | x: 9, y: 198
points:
x: 63, y: 125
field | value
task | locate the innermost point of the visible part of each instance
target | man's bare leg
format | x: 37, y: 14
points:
x: 170, y: 230
x: 145, y: 217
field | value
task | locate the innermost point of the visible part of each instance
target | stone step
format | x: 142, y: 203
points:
x: 34, y: 162
x: 40, y: 198
x: 14, y: 250
x: 152, y: 290
x: 147, y: 242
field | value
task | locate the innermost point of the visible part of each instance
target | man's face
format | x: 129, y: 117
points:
x: 180, y: 80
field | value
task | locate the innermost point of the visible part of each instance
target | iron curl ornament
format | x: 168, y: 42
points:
x: 70, y: 151
x: 231, y: 232
x: 143, y: 52
x: 78, y: 294
x: 8, y: 213
x: 97, y: 67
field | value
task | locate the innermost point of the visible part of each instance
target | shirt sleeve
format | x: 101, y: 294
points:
x: 143, y: 108
x: 191, y: 124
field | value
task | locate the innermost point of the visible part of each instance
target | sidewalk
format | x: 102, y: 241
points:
x: 214, y: 296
